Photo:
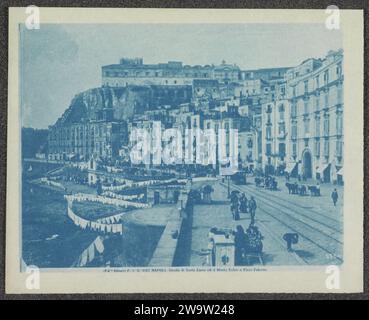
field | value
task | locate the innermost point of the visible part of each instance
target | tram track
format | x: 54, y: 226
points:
x: 327, y: 244
x: 330, y: 223
x: 336, y: 221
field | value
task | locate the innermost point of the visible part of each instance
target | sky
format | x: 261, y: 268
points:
x: 59, y: 61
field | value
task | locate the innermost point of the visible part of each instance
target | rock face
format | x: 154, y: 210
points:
x: 124, y: 101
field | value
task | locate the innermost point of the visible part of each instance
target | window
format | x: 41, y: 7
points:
x: 268, y: 132
x: 339, y: 147
x: 268, y: 149
x: 306, y: 86
x: 282, y: 150
x: 294, y: 149
x: 317, y: 102
x: 281, y: 113
x: 317, y: 127
x: 294, y: 131
x: 326, y: 77
x: 281, y: 129
x: 306, y: 106
x: 326, y: 126
x: 293, y: 110
x: 306, y: 126
x: 339, y: 124
x: 281, y: 108
x: 283, y: 91
x: 317, y: 148
x: 249, y: 143
x: 317, y: 82
x: 339, y: 69
x: 339, y: 94
x: 326, y: 148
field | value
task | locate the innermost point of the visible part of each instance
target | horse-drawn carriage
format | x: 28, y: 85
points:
x: 301, y: 189
x: 267, y: 182
x: 239, y: 178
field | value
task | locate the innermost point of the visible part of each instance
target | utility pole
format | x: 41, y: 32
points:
x: 229, y: 187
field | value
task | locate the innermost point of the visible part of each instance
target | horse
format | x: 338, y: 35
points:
x: 274, y: 185
x: 302, y: 190
x: 258, y: 181
x: 314, y: 191
x: 289, y: 187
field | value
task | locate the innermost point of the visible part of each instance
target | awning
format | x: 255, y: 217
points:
x: 340, y: 172
x: 322, y: 168
x: 290, y: 167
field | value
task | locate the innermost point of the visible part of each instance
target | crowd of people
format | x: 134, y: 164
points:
x: 247, y: 243
x: 241, y: 204
x: 267, y: 182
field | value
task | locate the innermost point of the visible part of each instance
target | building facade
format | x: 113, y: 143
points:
x: 135, y: 72
x: 303, y: 133
x: 82, y: 140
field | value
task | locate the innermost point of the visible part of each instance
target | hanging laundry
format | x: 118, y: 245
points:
x: 99, y: 245
x: 91, y: 252
x: 84, y: 258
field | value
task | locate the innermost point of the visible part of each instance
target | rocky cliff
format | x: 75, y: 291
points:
x: 125, y: 101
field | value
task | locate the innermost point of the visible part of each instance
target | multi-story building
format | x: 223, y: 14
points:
x: 99, y: 137
x: 265, y: 74
x: 135, y: 72
x: 274, y: 134
x: 303, y: 133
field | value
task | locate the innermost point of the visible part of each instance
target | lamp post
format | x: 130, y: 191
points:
x: 228, y: 187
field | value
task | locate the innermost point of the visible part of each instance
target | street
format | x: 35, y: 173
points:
x: 317, y: 222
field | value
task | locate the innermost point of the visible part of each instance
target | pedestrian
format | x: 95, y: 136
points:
x: 243, y: 203
x: 318, y: 189
x: 240, y: 245
x: 334, y: 197
x: 234, y: 211
x: 252, y: 209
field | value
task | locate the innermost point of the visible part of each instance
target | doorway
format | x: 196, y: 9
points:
x: 307, y: 165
